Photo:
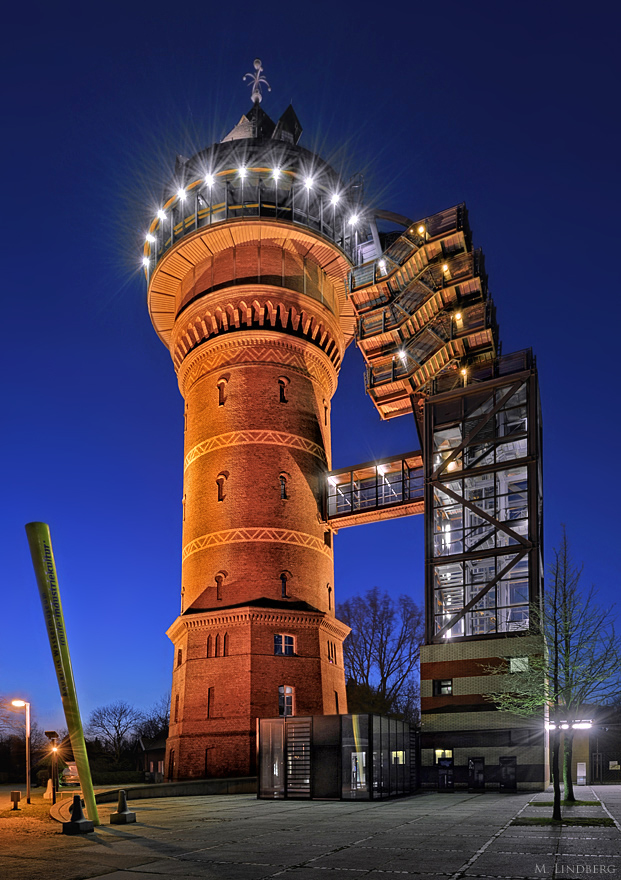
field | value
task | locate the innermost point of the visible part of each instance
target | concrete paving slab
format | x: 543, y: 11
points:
x: 233, y: 837
x: 502, y: 865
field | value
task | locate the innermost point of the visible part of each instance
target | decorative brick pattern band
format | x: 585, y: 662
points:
x: 256, y: 348
x: 244, y: 438
x: 238, y: 536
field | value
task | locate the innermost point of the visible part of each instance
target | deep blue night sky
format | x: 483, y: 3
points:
x: 512, y: 108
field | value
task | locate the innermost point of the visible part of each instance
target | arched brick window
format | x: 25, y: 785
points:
x: 222, y: 383
x: 179, y: 657
x: 225, y: 645
x: 283, y: 486
x: 176, y: 715
x: 285, y: 576
x: 220, y: 481
x: 209, y: 646
x: 282, y: 389
x: 219, y: 579
x: 216, y: 652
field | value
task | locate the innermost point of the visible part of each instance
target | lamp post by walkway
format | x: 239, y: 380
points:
x: 19, y: 704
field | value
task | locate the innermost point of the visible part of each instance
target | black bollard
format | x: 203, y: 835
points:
x: 123, y: 815
x: 79, y: 824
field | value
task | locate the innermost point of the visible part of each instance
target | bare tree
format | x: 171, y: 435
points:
x: 9, y: 721
x: 578, y: 663
x: 156, y: 720
x: 382, y: 653
x: 114, y: 725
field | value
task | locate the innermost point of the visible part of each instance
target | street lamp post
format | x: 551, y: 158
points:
x: 53, y: 738
x: 54, y: 771
x: 19, y: 704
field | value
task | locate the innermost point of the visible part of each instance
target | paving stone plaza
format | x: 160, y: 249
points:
x: 240, y: 838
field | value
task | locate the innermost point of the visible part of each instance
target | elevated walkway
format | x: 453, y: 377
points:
x: 374, y: 491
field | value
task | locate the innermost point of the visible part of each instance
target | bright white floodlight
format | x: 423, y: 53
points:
x: 181, y: 195
x: 335, y: 199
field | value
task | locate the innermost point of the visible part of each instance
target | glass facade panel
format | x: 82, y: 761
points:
x: 512, y: 421
x: 272, y: 758
x: 355, y: 754
x: 454, y: 631
x: 479, y: 455
x: 447, y: 438
x: 480, y: 623
x: 392, y: 745
x: 448, y: 575
x: 512, y: 450
x: 513, y: 619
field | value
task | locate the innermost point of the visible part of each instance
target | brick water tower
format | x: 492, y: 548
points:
x: 246, y: 263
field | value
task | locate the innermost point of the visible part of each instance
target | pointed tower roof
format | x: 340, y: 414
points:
x: 288, y: 127
x: 254, y: 124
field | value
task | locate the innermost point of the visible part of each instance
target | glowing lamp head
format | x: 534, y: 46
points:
x: 209, y: 180
x: 382, y: 265
x: 161, y: 215
x: 181, y: 194
x: 145, y: 261
x: 402, y: 355
x: 19, y: 703
x: 276, y: 173
x: 445, y: 268
x: 243, y: 172
x: 150, y: 238
x: 421, y: 230
x: 353, y: 219
x: 308, y: 183
x: 458, y: 316
x: 334, y: 200
x: 452, y: 465
x: 54, y: 748
x: 464, y: 371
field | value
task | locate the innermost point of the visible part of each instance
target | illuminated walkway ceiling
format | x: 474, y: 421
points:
x: 378, y: 490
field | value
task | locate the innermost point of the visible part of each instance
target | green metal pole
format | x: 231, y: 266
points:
x: 45, y: 570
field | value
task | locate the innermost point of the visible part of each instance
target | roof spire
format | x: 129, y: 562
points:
x: 257, y: 81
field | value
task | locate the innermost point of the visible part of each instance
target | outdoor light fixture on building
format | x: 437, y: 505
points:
x: 565, y: 725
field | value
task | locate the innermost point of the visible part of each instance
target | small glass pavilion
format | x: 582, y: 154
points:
x: 346, y: 757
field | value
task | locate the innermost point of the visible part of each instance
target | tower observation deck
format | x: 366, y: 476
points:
x: 262, y: 266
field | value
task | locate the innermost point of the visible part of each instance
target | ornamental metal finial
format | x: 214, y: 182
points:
x: 257, y: 81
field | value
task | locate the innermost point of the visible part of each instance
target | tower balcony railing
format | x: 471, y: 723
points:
x: 204, y: 204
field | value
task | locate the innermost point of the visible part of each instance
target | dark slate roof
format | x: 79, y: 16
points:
x: 280, y: 604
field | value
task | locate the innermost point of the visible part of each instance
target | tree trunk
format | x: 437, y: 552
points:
x: 568, y: 747
x: 556, y: 776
